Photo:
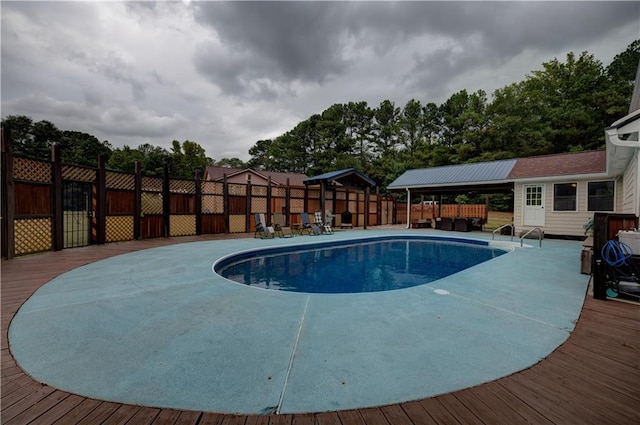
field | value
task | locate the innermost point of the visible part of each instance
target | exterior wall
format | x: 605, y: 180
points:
x: 565, y: 223
x: 242, y: 179
x: 630, y: 202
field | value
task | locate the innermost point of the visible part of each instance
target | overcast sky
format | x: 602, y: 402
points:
x: 227, y: 74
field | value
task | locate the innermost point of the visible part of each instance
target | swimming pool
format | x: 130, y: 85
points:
x: 158, y: 328
x: 364, y: 265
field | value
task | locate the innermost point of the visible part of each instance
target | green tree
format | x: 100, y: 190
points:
x: 186, y: 158
x: 31, y: 139
x: 83, y: 149
x: 230, y: 163
x: 152, y: 159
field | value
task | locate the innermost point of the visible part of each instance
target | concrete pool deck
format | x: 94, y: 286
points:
x: 156, y: 327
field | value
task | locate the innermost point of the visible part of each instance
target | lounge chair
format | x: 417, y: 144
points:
x: 307, y: 226
x: 282, y: 230
x: 263, y: 231
x: 623, y: 274
x: 326, y: 226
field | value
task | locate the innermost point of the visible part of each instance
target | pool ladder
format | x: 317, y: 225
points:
x: 540, y: 236
x: 522, y: 238
x: 493, y: 236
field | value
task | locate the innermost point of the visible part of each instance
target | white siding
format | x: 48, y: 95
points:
x: 566, y: 223
x: 630, y: 188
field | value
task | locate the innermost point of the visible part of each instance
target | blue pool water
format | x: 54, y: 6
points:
x: 367, y: 266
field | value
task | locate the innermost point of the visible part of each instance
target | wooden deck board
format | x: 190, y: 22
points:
x: 591, y: 379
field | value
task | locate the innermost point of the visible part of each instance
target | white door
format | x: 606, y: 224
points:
x: 533, y: 214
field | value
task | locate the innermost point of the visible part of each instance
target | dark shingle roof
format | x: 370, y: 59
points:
x: 565, y: 164
x: 278, y: 178
x: 350, y: 176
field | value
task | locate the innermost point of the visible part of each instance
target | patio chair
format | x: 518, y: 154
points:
x: 326, y: 226
x: 282, y: 230
x: 263, y: 231
x: 622, y: 274
x: 312, y: 228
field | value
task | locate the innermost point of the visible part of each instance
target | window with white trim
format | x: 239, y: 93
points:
x: 600, y: 196
x: 565, y: 196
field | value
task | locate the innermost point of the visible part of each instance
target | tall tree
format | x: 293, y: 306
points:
x: 186, y: 158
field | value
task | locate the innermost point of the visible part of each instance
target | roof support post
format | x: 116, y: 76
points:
x: 322, y: 198
x: 408, y: 208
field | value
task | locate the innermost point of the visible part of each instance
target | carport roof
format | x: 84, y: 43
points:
x: 461, y: 174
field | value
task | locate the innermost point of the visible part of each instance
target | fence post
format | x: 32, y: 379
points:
x: 366, y: 206
x: 198, y: 203
x: 101, y: 201
x: 225, y: 202
x: 305, y: 204
x: 247, y: 211
x: 287, y: 207
x: 269, y: 201
x: 166, y: 203
x: 137, y: 202
x: 8, y: 199
x: 58, y: 215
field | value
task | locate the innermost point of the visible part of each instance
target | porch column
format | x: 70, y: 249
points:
x: 408, y: 208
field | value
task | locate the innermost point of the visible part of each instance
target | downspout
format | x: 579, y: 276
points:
x: 408, y: 209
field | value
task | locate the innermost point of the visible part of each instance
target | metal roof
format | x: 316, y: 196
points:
x: 480, y: 172
x: 354, y: 176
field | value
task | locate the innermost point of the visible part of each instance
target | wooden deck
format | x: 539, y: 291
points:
x: 594, y: 378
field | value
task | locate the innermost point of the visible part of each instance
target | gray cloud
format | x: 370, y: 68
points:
x: 226, y: 74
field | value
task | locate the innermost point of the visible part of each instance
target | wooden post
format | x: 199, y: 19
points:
x: 198, y: 203
x: 357, y: 208
x: 367, y: 191
x: 247, y: 211
x: 269, y: 220
x: 166, y: 203
x: 57, y: 193
x: 225, y: 202
x: 8, y: 197
x: 306, y: 198
x: 101, y: 198
x: 137, y: 202
x: 323, y: 196
x: 287, y: 207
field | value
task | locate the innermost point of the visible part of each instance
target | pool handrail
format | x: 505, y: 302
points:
x: 540, y: 235
x: 493, y: 234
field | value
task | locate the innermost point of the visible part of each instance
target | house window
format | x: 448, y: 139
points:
x: 564, y: 197
x: 600, y: 196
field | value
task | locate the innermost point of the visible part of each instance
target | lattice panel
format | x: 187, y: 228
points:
x: 152, y: 184
x: 80, y: 174
x: 280, y: 192
x: 297, y: 206
x: 314, y: 194
x: 182, y: 225
x: 213, y: 188
x: 182, y: 186
x: 119, y: 228
x: 212, y: 204
x: 237, y: 189
x: 341, y: 195
x: 258, y: 205
x: 237, y: 224
x: 297, y: 193
x: 259, y: 190
x: 31, y: 170
x: 122, y: 181
x: 151, y: 203
x: 33, y: 235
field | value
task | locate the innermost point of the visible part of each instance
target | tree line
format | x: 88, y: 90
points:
x: 562, y: 107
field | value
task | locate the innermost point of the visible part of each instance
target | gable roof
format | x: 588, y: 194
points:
x: 278, y: 178
x: 564, y: 164
x: 505, y: 171
x: 480, y: 172
x: 346, y: 177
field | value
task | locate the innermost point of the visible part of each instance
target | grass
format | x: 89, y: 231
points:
x: 496, y: 219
